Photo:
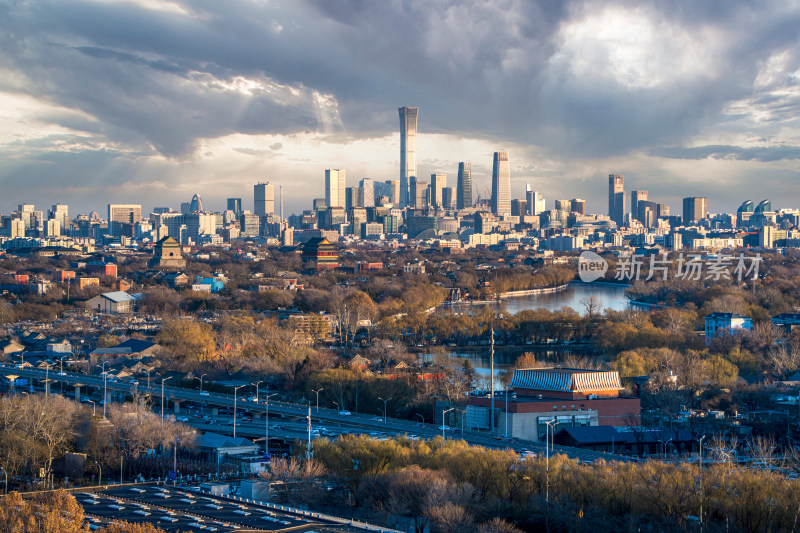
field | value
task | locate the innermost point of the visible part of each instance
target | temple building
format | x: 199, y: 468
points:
x: 167, y: 254
x: 320, y: 254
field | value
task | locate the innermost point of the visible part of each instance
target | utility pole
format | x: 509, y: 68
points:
x: 308, y: 447
x: 491, y: 392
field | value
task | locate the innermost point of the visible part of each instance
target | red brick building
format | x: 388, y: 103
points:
x: 573, y: 397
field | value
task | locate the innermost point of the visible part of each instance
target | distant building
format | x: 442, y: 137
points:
x: 501, y: 184
x: 113, y: 302
x: 235, y: 205
x: 320, y: 254
x: 335, y: 187
x: 408, y: 151
x: 695, y: 209
x: 578, y: 206
x: 788, y: 322
x: 616, y: 198
x: 464, y: 186
x: 719, y: 324
x: 264, y: 199
x: 571, y: 397
x: 534, y: 200
x: 167, y: 254
x: 122, y: 217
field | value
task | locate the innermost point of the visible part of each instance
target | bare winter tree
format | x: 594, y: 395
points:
x: 591, y: 305
x: 722, y: 447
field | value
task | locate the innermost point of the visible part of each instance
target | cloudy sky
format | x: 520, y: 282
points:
x: 150, y: 101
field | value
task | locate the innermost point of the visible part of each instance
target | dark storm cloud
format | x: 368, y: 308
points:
x: 553, y: 74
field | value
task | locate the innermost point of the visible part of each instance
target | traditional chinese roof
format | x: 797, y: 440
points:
x: 565, y: 380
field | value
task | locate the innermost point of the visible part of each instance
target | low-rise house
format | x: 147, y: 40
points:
x: 113, y: 302
x: 787, y: 322
x: 719, y: 324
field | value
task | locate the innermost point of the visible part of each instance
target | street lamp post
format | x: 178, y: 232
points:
x: 700, y: 441
x: 443, y: 426
x: 235, y: 390
x: 547, y: 450
x: 317, y: 391
x: 308, y: 446
x: 162, y: 399
x: 94, y: 407
x: 201, y: 382
x: 384, y: 407
x: 337, y: 405
x: 422, y: 418
x: 47, y: 379
x: 256, y: 385
x: 266, y: 423
x: 506, y: 412
x: 100, y: 476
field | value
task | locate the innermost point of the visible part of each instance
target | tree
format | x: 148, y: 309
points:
x: 591, y: 304
x: 527, y: 360
x: 189, y: 340
x: 56, y: 512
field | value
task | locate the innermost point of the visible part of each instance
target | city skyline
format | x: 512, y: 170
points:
x: 200, y: 109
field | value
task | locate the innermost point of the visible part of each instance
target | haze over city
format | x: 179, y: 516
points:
x: 150, y: 102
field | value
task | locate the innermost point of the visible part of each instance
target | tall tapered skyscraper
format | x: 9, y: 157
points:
x: 501, y: 184
x: 408, y: 150
x: 464, y: 186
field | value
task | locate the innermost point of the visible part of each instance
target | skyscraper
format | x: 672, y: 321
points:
x: 394, y: 187
x: 196, y: 204
x: 366, y: 193
x: 448, y: 195
x: 438, y: 183
x: 264, y: 199
x: 120, y: 215
x: 534, y: 200
x: 616, y: 198
x: 464, y: 186
x: 578, y: 206
x: 636, y: 197
x: 408, y: 150
x: 501, y: 184
x: 695, y: 209
x: 419, y: 194
x: 235, y: 205
x: 334, y: 187
x: 60, y: 212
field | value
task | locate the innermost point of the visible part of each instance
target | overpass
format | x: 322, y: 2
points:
x: 355, y: 423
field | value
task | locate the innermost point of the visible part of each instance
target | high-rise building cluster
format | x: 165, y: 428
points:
x: 412, y: 206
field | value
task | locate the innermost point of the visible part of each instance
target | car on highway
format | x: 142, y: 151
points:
x: 204, y: 393
x: 345, y: 413
x: 377, y: 419
x: 445, y: 428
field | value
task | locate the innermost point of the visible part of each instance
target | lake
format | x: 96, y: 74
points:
x: 609, y: 296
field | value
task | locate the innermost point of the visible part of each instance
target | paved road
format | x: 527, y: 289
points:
x: 321, y: 416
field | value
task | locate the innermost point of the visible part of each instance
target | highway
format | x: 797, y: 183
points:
x: 330, y: 418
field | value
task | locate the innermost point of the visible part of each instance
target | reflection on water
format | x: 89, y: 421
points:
x: 504, y: 360
x: 609, y: 296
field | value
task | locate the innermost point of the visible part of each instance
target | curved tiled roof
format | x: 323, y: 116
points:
x: 565, y: 380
